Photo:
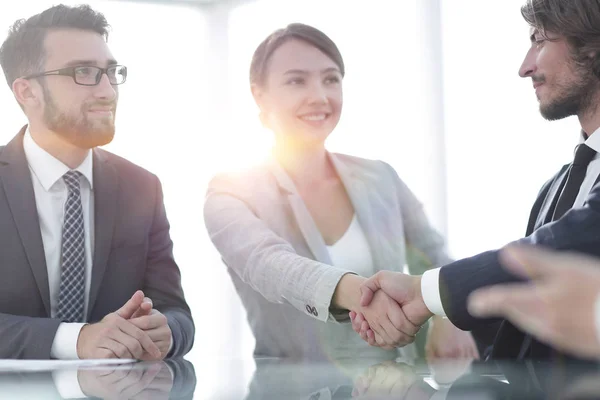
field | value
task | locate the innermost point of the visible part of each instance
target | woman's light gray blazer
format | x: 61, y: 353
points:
x: 280, y: 264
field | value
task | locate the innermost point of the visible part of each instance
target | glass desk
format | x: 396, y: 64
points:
x: 286, y: 379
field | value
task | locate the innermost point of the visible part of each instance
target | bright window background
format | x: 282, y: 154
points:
x: 499, y: 149
x: 186, y: 113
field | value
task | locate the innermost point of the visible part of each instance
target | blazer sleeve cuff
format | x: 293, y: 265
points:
x: 430, y: 290
x: 319, y: 306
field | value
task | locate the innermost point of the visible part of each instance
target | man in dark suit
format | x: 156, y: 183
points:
x: 560, y: 303
x: 84, y: 233
x: 564, y: 64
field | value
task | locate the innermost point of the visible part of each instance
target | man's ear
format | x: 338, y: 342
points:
x: 595, y: 63
x: 27, y: 95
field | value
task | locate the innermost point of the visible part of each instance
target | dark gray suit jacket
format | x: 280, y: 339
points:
x: 133, y: 250
x: 578, y: 230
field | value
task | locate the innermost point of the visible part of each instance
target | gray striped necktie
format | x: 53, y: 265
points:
x: 72, y: 278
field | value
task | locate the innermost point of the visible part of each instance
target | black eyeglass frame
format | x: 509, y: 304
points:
x: 70, y: 71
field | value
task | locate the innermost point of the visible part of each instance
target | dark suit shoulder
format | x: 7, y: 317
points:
x: 125, y: 167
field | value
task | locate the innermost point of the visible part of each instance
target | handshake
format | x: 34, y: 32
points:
x: 390, y: 310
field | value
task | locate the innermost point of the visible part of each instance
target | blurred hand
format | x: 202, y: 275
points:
x: 557, y: 306
x: 156, y: 326
x: 130, y: 381
x: 116, y: 337
x: 444, y: 340
x: 388, y: 378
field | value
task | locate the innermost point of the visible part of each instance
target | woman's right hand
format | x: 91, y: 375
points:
x: 385, y: 318
x: 383, y: 315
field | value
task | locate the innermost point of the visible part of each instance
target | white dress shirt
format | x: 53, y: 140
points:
x: 430, y: 281
x: 50, y: 196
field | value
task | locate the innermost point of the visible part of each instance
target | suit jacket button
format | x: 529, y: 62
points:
x: 312, y: 310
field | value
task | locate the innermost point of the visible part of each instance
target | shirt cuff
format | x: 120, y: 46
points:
x: 67, y: 384
x: 64, y: 346
x: 430, y: 290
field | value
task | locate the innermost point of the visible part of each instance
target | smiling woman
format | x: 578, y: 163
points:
x: 300, y: 232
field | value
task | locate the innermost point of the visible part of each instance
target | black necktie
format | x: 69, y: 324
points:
x: 583, y: 155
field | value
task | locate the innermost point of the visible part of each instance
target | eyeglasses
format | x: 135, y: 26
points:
x: 88, y: 75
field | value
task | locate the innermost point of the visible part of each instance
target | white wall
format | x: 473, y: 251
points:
x: 499, y: 149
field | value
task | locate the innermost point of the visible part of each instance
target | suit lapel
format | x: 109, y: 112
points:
x: 18, y: 188
x: 508, y: 342
x: 106, y: 191
x: 306, y: 223
x: 547, y: 209
x: 366, y: 203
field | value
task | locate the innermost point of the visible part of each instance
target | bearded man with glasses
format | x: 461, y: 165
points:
x: 86, y: 253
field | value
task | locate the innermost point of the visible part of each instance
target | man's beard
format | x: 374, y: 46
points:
x: 575, y: 99
x: 77, y: 130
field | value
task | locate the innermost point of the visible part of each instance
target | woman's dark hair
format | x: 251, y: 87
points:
x: 578, y: 21
x: 302, y: 32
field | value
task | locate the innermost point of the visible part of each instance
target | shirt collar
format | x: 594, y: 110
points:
x: 593, y: 141
x: 49, y: 169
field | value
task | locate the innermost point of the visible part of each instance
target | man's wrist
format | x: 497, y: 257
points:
x: 80, y: 341
x: 347, y: 292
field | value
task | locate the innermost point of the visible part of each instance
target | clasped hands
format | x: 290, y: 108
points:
x: 391, y: 311
x: 135, y: 331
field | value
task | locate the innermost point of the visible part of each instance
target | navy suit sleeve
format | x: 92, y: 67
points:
x: 578, y: 230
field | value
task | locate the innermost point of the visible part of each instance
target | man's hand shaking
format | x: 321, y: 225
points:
x: 444, y: 339
x: 404, y: 289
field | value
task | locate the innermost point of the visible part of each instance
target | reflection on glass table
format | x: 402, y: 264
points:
x: 275, y: 378
x: 171, y: 379
x: 448, y: 379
